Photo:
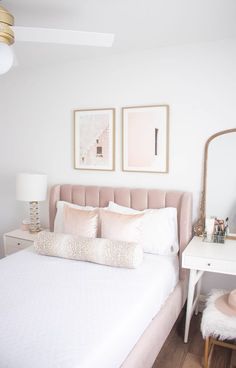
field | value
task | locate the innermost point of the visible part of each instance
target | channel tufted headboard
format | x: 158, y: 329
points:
x: 138, y: 199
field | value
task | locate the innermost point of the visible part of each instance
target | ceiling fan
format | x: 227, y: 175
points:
x: 10, y: 33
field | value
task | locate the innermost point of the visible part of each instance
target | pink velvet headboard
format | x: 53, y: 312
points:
x: 138, y: 199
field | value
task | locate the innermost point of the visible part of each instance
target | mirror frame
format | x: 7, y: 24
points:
x: 199, y: 226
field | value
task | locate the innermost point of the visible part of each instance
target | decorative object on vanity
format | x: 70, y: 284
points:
x: 8, y: 35
x: 215, y: 230
x: 94, y: 131
x: 145, y: 138
x: 32, y: 188
x: 219, y: 181
x: 219, y: 322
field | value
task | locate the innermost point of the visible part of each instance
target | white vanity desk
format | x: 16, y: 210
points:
x: 199, y: 257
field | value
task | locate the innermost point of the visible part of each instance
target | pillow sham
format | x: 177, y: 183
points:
x: 159, y: 232
x: 121, y: 227
x: 103, y: 251
x: 59, y: 220
x: 78, y: 222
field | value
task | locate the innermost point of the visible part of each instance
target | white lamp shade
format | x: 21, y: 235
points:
x: 6, y: 58
x: 31, y: 187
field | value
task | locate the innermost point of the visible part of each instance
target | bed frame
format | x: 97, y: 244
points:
x: 148, y: 346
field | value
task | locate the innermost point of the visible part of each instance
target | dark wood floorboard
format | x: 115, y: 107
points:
x: 176, y: 354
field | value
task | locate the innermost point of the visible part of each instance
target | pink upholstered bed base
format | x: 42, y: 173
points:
x: 147, y: 348
x: 144, y: 353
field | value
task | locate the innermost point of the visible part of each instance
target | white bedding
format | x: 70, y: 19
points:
x: 57, y: 313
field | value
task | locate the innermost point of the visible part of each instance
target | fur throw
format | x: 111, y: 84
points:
x: 215, y: 323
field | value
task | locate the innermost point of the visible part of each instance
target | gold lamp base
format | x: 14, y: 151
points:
x: 6, y: 21
x: 34, y: 218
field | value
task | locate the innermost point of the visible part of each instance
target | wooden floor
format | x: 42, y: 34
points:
x: 176, y: 354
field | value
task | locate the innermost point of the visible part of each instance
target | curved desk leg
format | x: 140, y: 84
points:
x: 198, y: 289
x: 194, y: 277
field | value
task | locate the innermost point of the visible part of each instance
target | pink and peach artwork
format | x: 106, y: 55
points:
x: 145, y: 138
x: 142, y: 135
x: 94, y: 139
x: 98, y: 151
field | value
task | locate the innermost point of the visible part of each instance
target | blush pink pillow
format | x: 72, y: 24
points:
x: 80, y: 222
x: 116, y: 226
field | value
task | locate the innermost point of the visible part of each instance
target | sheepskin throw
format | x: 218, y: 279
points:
x: 215, y: 323
x: 98, y: 250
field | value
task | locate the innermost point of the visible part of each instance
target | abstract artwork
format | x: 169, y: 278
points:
x: 145, y: 138
x: 94, y: 139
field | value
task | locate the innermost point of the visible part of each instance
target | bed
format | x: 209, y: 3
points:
x: 54, y: 313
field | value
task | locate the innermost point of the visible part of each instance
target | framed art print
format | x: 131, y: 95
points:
x: 145, y: 138
x: 94, y: 139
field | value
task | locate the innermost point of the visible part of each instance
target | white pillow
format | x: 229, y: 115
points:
x: 159, y: 232
x: 59, y: 218
x: 104, y: 251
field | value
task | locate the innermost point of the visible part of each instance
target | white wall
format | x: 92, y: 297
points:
x: 36, y: 121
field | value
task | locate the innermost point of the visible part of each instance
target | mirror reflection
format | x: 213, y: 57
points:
x: 221, y: 179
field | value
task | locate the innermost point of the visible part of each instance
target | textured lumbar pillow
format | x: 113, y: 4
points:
x: 104, y: 251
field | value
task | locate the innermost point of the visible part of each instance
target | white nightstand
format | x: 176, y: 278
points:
x: 17, y: 240
x: 199, y: 257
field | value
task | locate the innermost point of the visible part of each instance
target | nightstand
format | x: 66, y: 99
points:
x: 17, y: 240
x: 199, y: 257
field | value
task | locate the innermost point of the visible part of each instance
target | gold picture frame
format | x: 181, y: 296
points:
x: 145, y: 138
x: 94, y: 139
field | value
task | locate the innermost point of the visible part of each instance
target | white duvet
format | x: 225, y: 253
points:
x: 57, y: 313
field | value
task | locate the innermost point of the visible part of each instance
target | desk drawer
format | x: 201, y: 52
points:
x: 13, y: 245
x: 209, y: 264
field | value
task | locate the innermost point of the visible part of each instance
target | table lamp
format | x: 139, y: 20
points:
x: 32, y: 188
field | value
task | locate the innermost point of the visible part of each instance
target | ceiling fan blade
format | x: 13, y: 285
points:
x: 60, y: 36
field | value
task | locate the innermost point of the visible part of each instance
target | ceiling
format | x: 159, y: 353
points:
x: 137, y: 24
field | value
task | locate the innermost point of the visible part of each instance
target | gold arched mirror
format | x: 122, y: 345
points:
x: 218, y: 197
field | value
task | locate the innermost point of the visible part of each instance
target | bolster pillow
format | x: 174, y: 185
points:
x: 103, y: 251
